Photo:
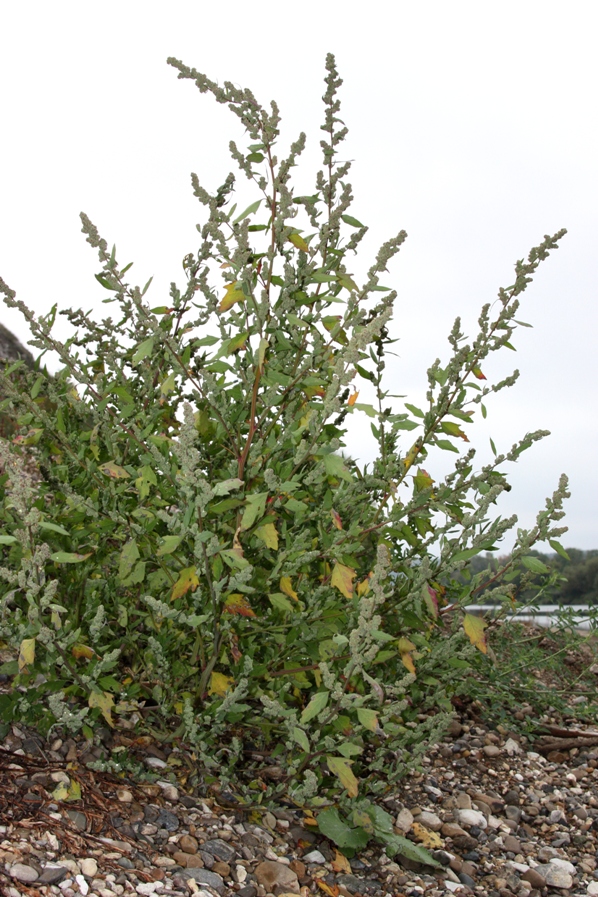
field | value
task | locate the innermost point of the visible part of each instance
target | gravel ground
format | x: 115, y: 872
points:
x: 499, y: 818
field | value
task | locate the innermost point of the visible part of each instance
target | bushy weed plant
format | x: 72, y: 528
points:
x: 200, y: 558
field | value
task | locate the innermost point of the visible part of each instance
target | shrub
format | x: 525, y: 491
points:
x: 200, y: 559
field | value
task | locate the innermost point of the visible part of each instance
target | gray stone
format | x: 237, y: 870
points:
x: 555, y: 876
x: 78, y: 819
x: 168, y: 820
x: 51, y: 874
x: 23, y: 873
x: 513, y: 813
x: 430, y: 820
x: 471, y: 818
x: 204, y: 877
x: 219, y: 849
x: 315, y: 857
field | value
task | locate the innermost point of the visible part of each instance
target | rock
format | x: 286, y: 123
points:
x: 169, y: 792
x: 514, y: 813
x: 430, y: 821
x: 168, y: 820
x: 52, y: 874
x: 534, y: 878
x: 219, y: 849
x: 124, y: 796
x: 89, y: 867
x: 188, y: 844
x: 276, y: 877
x: 205, y: 877
x: 512, y: 747
x: 404, y: 820
x: 563, y: 864
x: 315, y: 857
x: 491, y: 750
x: 23, y: 873
x: 462, y: 801
x: 592, y: 889
x: 471, y: 818
x: 555, y: 876
x: 512, y: 844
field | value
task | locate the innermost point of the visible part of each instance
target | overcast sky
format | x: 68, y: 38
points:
x: 472, y: 125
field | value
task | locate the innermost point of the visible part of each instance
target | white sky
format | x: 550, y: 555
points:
x: 472, y: 125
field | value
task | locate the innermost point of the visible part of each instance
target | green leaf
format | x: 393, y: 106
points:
x: 333, y: 827
x: 534, y: 564
x: 143, y: 350
x: 298, y: 241
x: 128, y: 558
x: 409, y: 850
x: 8, y: 540
x: 255, y: 507
x: 414, y: 410
x: 336, y: 467
x: 301, y: 738
x: 315, y: 706
x: 226, y: 486
x: 368, y: 718
x: 69, y: 557
x: 280, y: 602
x: 493, y: 447
x: 556, y: 546
x: 168, y: 545
x: 352, y: 222
x: 446, y: 445
x: 341, y: 768
x: 248, y: 211
x: 255, y: 157
x: 54, y: 528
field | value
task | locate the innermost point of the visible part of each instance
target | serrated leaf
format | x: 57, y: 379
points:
x: 342, y: 579
x: 103, y: 700
x: 226, y: 486
x: 287, y: 587
x: 143, y: 350
x: 347, y: 282
x: 110, y: 469
x: 315, y: 706
x: 298, y: 241
x: 341, y: 768
x: 336, y: 467
x: 230, y: 298
x: 26, y: 653
x: 333, y: 827
x: 474, y: 629
x: 239, y: 605
x: 187, y: 582
x: 368, y: 718
x: 268, y: 534
x: 69, y: 557
x: 301, y: 738
x: 250, y: 210
x: 220, y: 684
x: 278, y: 600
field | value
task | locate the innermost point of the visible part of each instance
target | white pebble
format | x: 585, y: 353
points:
x: 314, y: 856
x: 83, y: 886
x: 89, y: 867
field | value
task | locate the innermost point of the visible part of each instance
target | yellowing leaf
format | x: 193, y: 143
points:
x: 404, y: 644
x: 363, y: 587
x: 336, y: 520
x: 238, y: 604
x: 254, y: 509
x: 407, y: 661
x: 110, y: 469
x: 187, y: 581
x: 341, y: 768
x: 474, y: 629
x: 429, y: 839
x: 331, y: 890
x: 423, y: 480
x: 104, y: 701
x: 431, y: 599
x: 26, y: 654
x: 340, y: 863
x: 301, y: 738
x: 233, y: 294
x: 79, y: 651
x: 267, y: 533
x: 342, y: 578
x: 368, y: 718
x: 353, y: 398
x: 220, y: 684
x: 412, y: 454
x: 287, y: 588
x: 67, y: 791
x: 298, y: 241
x: 477, y: 373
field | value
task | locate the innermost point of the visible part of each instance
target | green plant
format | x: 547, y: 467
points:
x: 199, y: 551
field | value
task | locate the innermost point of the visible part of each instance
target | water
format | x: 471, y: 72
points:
x: 579, y: 615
